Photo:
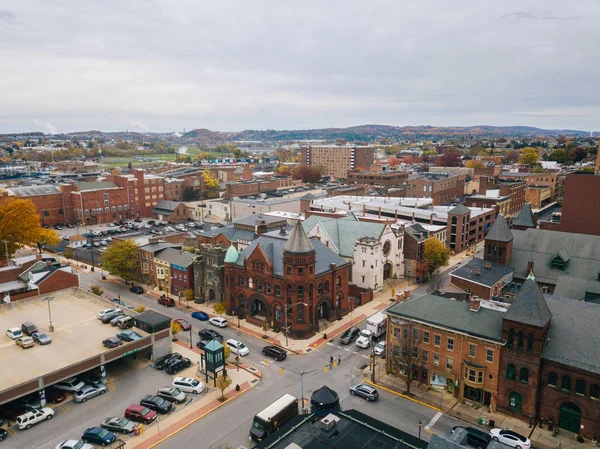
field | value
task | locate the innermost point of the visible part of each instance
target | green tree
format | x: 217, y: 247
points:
x: 237, y: 153
x: 222, y: 384
x: 436, y: 254
x: 559, y: 156
x: 529, y: 156
x: 68, y: 253
x: 226, y: 351
x: 129, y: 166
x: 121, y: 259
x: 220, y: 307
x: 97, y: 290
x: 205, y: 156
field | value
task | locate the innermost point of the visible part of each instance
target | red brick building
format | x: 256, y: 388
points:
x: 380, y: 178
x: 287, y: 275
x: 467, y: 227
x: 440, y: 187
x: 182, y: 273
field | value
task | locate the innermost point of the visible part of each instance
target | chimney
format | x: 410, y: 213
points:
x: 478, y: 272
x: 529, y: 267
x: 403, y: 296
x: 474, y: 303
x: 488, y: 265
x: 431, y: 219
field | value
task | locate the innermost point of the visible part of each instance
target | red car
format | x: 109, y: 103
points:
x: 140, y: 413
x: 166, y: 301
x: 185, y: 326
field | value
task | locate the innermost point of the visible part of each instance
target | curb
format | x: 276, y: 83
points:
x: 402, y: 395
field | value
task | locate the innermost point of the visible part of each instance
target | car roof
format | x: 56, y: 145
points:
x: 514, y: 434
x: 14, y: 329
x: 233, y: 341
x: 136, y: 407
x: 183, y: 379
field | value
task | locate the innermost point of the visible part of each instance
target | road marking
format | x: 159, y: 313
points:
x: 346, y: 349
x: 12, y: 432
x: 64, y: 408
x: 437, y: 416
x: 329, y: 343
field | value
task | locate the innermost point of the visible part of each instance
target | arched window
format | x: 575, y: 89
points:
x: 565, y: 383
x: 300, y: 291
x: 326, y: 287
x: 520, y: 340
x: 288, y: 289
x: 250, y: 283
x: 241, y: 299
x: 511, y: 337
x: 595, y: 391
x: 320, y: 289
x: 277, y: 313
x: 241, y: 280
x: 277, y: 290
x: 524, y: 375
x: 552, y: 378
x: 515, y: 402
x: 511, y: 371
x: 530, y: 342
x: 258, y: 285
x: 339, y: 281
x: 267, y: 287
x: 580, y: 387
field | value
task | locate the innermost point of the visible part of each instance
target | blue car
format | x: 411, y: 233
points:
x: 98, y: 435
x: 128, y: 335
x: 200, y: 316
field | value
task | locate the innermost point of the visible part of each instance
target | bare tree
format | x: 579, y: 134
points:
x: 435, y: 282
x: 406, y: 355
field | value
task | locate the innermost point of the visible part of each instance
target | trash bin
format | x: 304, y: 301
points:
x: 492, y: 423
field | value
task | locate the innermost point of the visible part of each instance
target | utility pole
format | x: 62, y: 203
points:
x: 6, y: 248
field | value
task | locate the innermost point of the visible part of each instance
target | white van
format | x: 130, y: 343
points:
x: 28, y: 419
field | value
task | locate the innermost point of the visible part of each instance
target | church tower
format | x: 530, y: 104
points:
x: 498, y: 242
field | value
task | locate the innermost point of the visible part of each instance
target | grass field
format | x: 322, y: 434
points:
x: 156, y: 158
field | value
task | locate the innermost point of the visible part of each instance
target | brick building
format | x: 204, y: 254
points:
x: 337, y: 160
x: 440, y: 187
x: 514, y: 189
x: 379, y: 178
x: 147, y: 254
x: 467, y: 227
x: 52, y: 205
x: 287, y: 273
x: 500, y: 203
x: 209, y: 273
x: 415, y: 236
x: 144, y: 191
x: 174, y: 188
x: 548, y: 179
x: 256, y: 186
x: 182, y: 273
x: 171, y: 211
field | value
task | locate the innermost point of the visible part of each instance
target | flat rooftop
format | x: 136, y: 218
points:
x: 77, y: 335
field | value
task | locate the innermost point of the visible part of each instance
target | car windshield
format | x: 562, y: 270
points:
x: 122, y: 422
x: 103, y: 433
x: 41, y: 335
x: 195, y: 382
x: 175, y: 391
x: 145, y: 411
x: 79, y: 392
x: 258, y: 426
x: 241, y: 345
x: 381, y: 345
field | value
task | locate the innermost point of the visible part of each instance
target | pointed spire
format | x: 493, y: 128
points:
x: 529, y: 307
x: 499, y: 231
x: 530, y: 276
x: 231, y: 256
x: 298, y: 241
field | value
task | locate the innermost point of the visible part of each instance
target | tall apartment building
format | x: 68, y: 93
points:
x: 440, y: 187
x: 337, y: 160
x: 549, y: 179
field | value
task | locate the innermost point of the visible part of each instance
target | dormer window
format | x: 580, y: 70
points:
x: 560, y: 260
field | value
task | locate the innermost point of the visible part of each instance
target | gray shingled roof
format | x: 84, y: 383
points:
x: 165, y: 206
x: 488, y: 276
x: 575, y: 288
x: 168, y: 255
x: 184, y: 259
x: 158, y: 246
x: 98, y: 185
x: 33, y: 190
x: 250, y: 220
x: 460, y: 210
x: 525, y: 217
x: 529, y: 306
x: 298, y: 241
x: 499, y: 231
x: 452, y: 314
x: 573, y: 337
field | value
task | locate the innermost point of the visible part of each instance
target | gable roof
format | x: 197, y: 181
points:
x: 563, y: 254
x: 529, y: 307
x: 165, y: 206
x: 499, y: 231
x: 298, y: 242
x: 184, y: 259
x: 461, y: 209
x: 167, y: 255
x: 343, y: 233
x: 487, y: 276
x: 157, y: 247
x: 525, y: 217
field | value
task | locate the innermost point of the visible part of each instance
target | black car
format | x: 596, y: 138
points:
x: 475, y: 437
x: 3, y: 434
x: 202, y: 343
x: 55, y: 395
x: 109, y: 316
x: 138, y: 220
x: 209, y: 334
x: 159, y: 405
x: 91, y: 377
x: 178, y: 365
x: 161, y: 363
x: 274, y: 351
x: 349, y: 335
x: 136, y: 289
x: 112, y: 342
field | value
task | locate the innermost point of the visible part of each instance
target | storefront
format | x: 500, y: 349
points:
x: 472, y: 386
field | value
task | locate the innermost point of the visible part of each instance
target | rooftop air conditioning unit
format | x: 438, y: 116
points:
x: 328, y: 422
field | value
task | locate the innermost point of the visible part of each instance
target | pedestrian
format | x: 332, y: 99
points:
x: 331, y: 360
x: 339, y: 359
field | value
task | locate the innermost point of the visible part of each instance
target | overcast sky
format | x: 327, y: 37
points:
x: 225, y: 65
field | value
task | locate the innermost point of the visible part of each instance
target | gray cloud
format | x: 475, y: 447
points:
x: 231, y: 65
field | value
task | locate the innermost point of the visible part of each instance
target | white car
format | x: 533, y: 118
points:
x: 14, y: 333
x: 71, y: 384
x: 189, y: 385
x: 106, y: 312
x: 237, y: 347
x: 364, y: 339
x: 510, y: 438
x: 218, y: 321
x: 73, y: 444
x: 169, y: 229
x: 26, y: 420
x: 379, y: 349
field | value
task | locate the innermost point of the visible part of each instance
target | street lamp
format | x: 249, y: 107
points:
x: 287, y: 306
x: 48, y: 299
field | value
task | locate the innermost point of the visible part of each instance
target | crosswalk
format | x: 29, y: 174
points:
x: 347, y: 349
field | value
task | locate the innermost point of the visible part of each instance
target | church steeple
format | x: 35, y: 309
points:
x: 498, y: 242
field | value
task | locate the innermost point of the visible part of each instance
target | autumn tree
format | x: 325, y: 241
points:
x: 220, y: 307
x: 283, y: 170
x: 393, y: 161
x: 205, y: 156
x: 19, y: 223
x: 188, y: 295
x: 306, y: 174
x: 237, y: 153
x: 121, y: 259
x: 449, y: 159
x: 474, y: 163
x: 406, y: 357
x: 529, y: 156
x: 47, y: 236
x: 96, y: 290
x: 284, y: 154
x: 435, y: 254
x: 68, y: 253
x: 211, y: 183
x: 222, y: 384
x: 226, y: 351
x: 175, y: 329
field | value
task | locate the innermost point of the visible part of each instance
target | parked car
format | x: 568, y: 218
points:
x: 106, y: 311
x: 98, y: 435
x: 210, y: 334
x: 159, y: 405
x: 89, y: 392
x: 26, y: 420
x: 92, y: 377
x: 71, y: 384
x: 54, y: 395
x: 475, y: 437
x: 115, y: 320
x: 171, y: 394
x: 112, y: 342
x: 136, y: 289
x: 237, y: 347
x: 107, y: 318
x: 29, y: 402
x: 379, y: 349
x: 218, y: 321
x: 185, y: 326
x: 73, y: 444
x: 166, y: 301
x: 12, y: 411
x: 14, y: 333
x: 200, y: 316
x: 275, y: 352
x: 202, y: 343
x: 28, y: 328
x: 140, y: 413
x: 189, y: 385
x: 25, y: 342
x: 128, y: 335
x: 41, y: 338
x: 349, y: 335
x: 178, y: 365
x: 365, y: 391
x: 510, y: 438
x: 119, y: 424
x: 125, y: 322
x: 3, y: 434
x: 162, y: 362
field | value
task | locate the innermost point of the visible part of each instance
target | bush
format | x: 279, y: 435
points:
x: 97, y: 290
x: 580, y: 439
x: 276, y: 329
x: 140, y: 309
x: 476, y: 405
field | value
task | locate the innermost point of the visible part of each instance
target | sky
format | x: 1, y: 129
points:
x: 227, y: 65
